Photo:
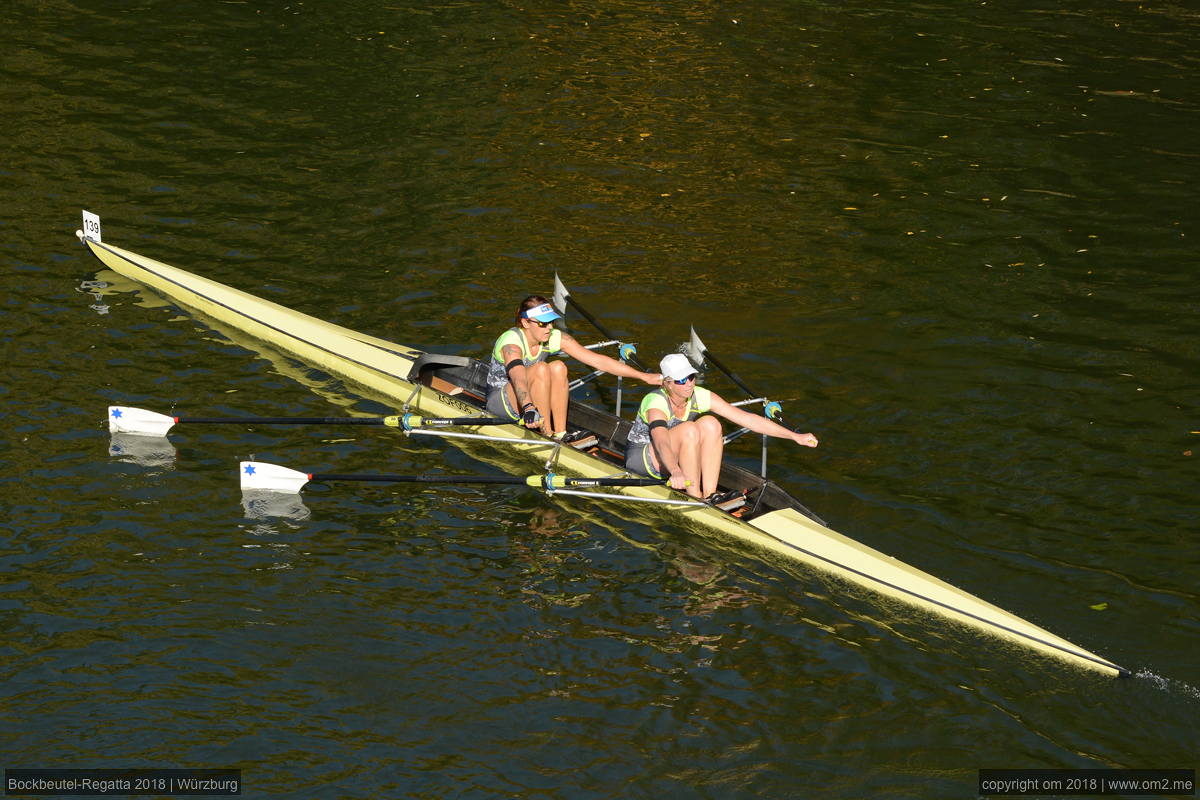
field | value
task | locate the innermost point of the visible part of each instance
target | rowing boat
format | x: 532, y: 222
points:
x: 771, y: 522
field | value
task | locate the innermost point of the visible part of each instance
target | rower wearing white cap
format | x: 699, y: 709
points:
x: 524, y: 385
x: 675, y: 433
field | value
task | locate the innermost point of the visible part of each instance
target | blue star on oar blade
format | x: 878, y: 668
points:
x: 116, y: 412
x: 249, y: 469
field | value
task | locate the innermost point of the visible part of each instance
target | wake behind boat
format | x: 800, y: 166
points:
x: 770, y: 520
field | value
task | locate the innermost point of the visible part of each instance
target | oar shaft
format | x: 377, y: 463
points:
x: 260, y: 476
x: 507, y: 480
x: 541, y: 481
x: 394, y: 422
x: 632, y: 359
x: 282, y: 420
x: 729, y: 373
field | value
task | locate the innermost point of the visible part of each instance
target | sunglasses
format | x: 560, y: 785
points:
x: 688, y: 379
x: 541, y: 324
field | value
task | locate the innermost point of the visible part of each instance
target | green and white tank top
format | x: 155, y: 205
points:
x: 497, y: 376
x: 699, y: 403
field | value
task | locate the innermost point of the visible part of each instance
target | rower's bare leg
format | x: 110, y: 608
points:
x: 686, y: 438
x: 711, y: 446
x: 558, y: 395
x: 512, y: 399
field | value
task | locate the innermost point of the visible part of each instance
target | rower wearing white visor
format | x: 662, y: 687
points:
x: 523, y: 384
x: 676, y: 435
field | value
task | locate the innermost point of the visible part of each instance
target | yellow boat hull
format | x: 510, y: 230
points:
x: 383, y: 368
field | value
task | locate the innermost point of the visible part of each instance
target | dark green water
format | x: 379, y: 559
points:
x: 960, y: 236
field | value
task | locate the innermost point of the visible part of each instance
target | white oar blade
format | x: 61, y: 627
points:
x: 139, y: 421
x: 696, y: 350
x: 560, y: 295
x: 258, y: 476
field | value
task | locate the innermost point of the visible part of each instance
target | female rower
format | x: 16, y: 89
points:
x: 523, y: 385
x: 676, y: 434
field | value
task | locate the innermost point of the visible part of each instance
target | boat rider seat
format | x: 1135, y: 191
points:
x: 453, y: 375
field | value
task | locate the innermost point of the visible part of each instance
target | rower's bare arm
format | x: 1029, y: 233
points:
x: 759, y: 423
x: 610, y: 365
x: 517, y: 376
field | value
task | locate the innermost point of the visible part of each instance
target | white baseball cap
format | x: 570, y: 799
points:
x: 543, y: 313
x: 676, y: 367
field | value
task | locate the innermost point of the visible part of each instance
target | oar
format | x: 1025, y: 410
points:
x: 125, y: 419
x: 699, y: 354
x: 562, y: 296
x: 260, y: 476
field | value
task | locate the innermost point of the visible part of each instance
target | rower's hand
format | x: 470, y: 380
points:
x: 652, y: 378
x: 806, y: 439
x: 678, y: 482
x: 530, y: 415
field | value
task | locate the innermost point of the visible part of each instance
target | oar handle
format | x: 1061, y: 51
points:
x: 410, y: 421
x: 558, y: 481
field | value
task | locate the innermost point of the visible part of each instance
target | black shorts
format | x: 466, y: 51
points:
x: 637, y: 460
x: 497, y: 403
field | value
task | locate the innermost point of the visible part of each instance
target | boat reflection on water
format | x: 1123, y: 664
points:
x: 146, y: 451
x: 261, y: 505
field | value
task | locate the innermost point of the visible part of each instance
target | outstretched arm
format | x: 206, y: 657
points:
x: 758, y: 423
x: 602, y: 362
